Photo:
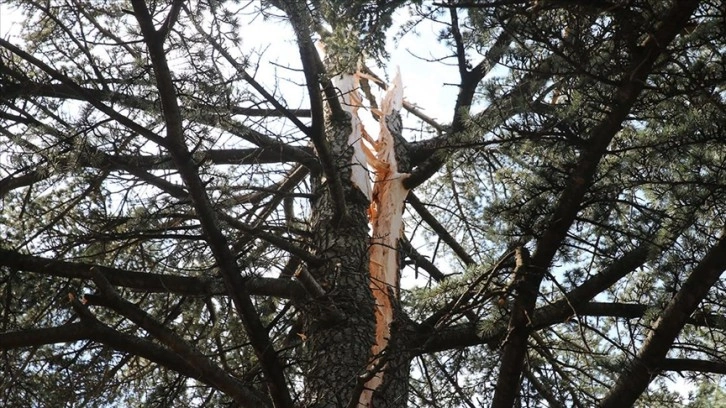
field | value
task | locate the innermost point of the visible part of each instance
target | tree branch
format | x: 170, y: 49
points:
x: 28, y: 88
x: 95, y: 331
x: 419, y: 261
x: 638, y: 374
x: 171, y: 18
x: 196, y: 360
x: 83, y: 93
x: 315, y: 76
x: 581, y: 180
x: 280, y: 109
x: 442, y: 232
x: 602, y: 280
x: 226, y: 261
x: 466, y: 335
x: 469, y: 81
x: 208, y: 115
x: 148, y: 282
x: 39, y: 337
x: 699, y: 366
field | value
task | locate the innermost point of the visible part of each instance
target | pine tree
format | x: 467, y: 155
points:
x: 186, y: 223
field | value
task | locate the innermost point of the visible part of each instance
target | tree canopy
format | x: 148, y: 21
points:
x: 185, y: 221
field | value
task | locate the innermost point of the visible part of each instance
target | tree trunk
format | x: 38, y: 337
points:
x: 353, y: 358
x: 338, y: 349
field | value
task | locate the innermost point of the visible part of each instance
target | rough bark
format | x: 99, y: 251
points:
x: 361, y: 272
x: 338, y: 349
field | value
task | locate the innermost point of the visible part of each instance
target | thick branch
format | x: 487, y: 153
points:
x: 38, y: 337
x: 27, y: 88
x: 196, y: 360
x: 701, y: 366
x: 95, y: 331
x: 315, y: 76
x: 636, y: 377
x: 581, y: 179
x: 511, y: 363
x: 219, y: 157
x: 148, y: 282
x: 604, y: 279
x: 271, y: 150
x: 466, y: 335
x: 469, y: 81
x: 171, y: 18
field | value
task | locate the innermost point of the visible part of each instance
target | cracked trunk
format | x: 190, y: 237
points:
x: 354, y: 359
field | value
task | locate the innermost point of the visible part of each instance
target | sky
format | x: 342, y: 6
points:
x: 8, y: 21
x: 436, y: 98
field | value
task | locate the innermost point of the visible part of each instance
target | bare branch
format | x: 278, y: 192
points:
x: 699, y: 366
x: 171, y: 18
x: 315, y: 76
x: 148, y: 282
x: 439, y: 229
x: 464, y: 335
x: 174, y: 342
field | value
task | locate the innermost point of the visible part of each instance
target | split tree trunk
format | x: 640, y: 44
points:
x: 343, y: 349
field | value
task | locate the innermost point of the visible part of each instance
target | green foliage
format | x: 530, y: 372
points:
x: 358, y: 29
x: 709, y: 394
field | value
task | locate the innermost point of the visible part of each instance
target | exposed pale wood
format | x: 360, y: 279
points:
x: 348, y: 86
x: 386, y: 196
x: 386, y: 215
